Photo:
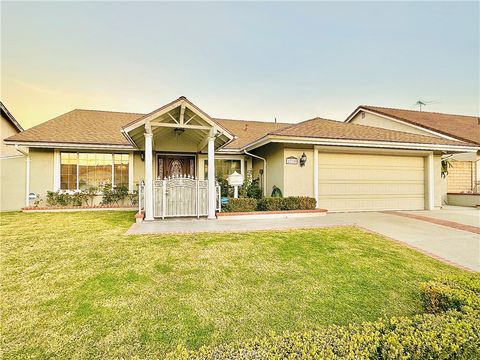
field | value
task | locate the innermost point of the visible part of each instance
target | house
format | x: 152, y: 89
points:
x: 12, y: 165
x: 464, y: 170
x: 346, y: 167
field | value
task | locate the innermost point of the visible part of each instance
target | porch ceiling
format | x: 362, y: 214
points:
x: 178, y: 119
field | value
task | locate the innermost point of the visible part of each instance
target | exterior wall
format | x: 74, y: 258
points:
x: 298, y: 180
x: 381, y: 122
x: 41, y: 171
x: 12, y: 171
x: 12, y: 183
x: 7, y: 130
x: 138, y: 170
x: 274, y: 154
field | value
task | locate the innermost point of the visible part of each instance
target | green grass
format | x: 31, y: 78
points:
x: 74, y: 286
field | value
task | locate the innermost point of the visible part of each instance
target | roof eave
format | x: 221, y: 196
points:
x: 360, y: 143
x: 68, y: 145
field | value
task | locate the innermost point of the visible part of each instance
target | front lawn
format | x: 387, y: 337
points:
x: 73, y: 286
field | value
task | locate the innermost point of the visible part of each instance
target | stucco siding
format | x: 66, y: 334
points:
x: 7, y: 130
x: 298, y: 180
x: 41, y: 171
x: 274, y: 155
x: 381, y: 122
x: 12, y: 181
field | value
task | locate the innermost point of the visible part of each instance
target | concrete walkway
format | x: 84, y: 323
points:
x: 452, y: 245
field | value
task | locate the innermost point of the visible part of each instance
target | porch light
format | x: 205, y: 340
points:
x: 303, y: 159
x: 179, y: 131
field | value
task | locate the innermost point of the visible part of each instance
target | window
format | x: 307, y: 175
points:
x: 120, y: 169
x: 224, y: 167
x: 81, y: 170
x: 68, y: 171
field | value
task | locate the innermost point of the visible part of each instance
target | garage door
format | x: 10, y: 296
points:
x: 358, y: 182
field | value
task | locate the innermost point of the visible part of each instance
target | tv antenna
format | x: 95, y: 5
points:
x: 423, y: 103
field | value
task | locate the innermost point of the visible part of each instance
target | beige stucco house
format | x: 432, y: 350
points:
x: 464, y: 170
x: 345, y: 166
x: 12, y: 165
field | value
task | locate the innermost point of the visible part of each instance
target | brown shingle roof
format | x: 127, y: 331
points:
x: 103, y: 127
x: 466, y: 128
x: 80, y: 127
x: 330, y: 129
x: 95, y: 127
x: 248, y: 131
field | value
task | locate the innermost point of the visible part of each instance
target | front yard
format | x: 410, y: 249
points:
x: 73, y: 286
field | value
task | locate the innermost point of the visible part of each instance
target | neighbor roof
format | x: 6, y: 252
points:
x: 331, y: 129
x: 462, y: 127
x: 10, y: 117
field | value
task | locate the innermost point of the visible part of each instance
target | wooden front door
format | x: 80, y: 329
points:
x: 175, y: 166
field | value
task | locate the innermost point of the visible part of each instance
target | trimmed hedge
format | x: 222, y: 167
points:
x: 271, y: 204
x: 452, y: 334
x: 241, y: 205
x: 452, y: 293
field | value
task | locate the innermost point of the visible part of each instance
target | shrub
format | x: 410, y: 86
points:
x: 251, y: 189
x: 114, y: 195
x: 299, y: 203
x: 270, y: 204
x: 89, y: 194
x: 58, y: 198
x: 452, y: 334
x: 241, y: 205
x: 454, y: 292
x: 288, y: 203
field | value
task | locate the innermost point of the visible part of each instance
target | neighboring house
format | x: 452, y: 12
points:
x: 464, y: 174
x: 12, y: 165
x: 346, y: 167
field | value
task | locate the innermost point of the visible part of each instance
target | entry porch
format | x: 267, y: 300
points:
x: 171, y: 140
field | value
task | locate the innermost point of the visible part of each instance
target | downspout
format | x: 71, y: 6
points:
x: 27, y: 175
x: 264, y: 170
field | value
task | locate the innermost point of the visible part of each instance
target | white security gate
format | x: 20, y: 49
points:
x: 181, y: 196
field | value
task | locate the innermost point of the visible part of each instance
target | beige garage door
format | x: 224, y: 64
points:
x: 357, y: 182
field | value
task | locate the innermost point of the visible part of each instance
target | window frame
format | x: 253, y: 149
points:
x: 58, y: 168
x: 240, y: 158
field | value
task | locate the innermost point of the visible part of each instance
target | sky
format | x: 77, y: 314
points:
x: 252, y: 60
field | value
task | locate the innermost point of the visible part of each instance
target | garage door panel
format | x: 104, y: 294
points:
x: 371, y: 189
x: 354, y: 182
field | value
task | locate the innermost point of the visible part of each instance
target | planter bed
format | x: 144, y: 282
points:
x: 79, y: 208
x: 463, y: 199
x: 284, y: 214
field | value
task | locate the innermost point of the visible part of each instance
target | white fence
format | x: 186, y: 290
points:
x: 183, y: 196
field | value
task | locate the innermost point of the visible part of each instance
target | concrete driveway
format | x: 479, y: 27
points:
x: 454, y: 238
x: 460, y: 247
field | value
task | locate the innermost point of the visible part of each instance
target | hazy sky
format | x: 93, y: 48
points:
x: 253, y: 60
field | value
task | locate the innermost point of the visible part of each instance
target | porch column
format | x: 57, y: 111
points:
x: 212, y: 198
x: 430, y: 182
x: 148, y: 177
x: 315, y: 175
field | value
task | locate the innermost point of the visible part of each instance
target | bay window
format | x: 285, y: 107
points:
x: 79, y: 171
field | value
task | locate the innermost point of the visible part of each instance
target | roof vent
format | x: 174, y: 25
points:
x: 246, y: 127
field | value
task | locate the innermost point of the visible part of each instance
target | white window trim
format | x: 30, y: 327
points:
x: 240, y: 158
x: 57, y: 169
